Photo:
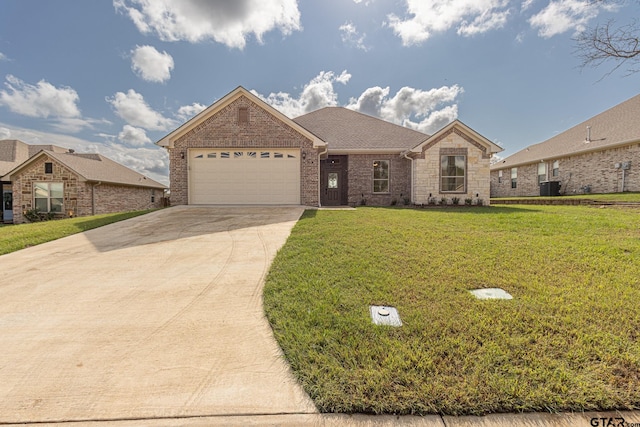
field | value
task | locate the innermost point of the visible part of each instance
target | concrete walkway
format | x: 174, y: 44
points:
x: 156, y: 317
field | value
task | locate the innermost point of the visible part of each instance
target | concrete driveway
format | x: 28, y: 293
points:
x: 155, y: 317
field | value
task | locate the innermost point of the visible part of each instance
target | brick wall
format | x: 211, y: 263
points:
x: 596, y: 170
x: 427, y: 170
x: 361, y: 179
x: 222, y: 130
x: 77, y: 195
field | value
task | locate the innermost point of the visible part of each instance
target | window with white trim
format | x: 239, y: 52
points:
x: 514, y: 177
x: 453, y: 170
x: 556, y: 168
x: 48, y: 196
x: 499, y: 177
x: 542, y: 172
x: 381, y: 176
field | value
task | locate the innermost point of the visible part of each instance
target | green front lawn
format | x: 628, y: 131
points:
x: 569, y: 340
x: 20, y: 236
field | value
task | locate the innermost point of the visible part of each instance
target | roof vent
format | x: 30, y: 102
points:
x: 71, y: 151
x: 588, y: 139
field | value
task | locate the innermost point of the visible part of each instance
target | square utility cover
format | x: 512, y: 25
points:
x: 491, y: 293
x: 384, y: 315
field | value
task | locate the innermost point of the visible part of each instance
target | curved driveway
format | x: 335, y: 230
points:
x: 159, y: 316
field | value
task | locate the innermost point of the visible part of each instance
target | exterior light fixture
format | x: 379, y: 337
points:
x: 182, y: 155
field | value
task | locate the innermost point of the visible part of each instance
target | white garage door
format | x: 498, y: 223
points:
x: 245, y: 177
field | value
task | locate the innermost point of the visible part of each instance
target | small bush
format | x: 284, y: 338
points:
x: 431, y: 201
x: 468, y: 201
x: 394, y: 202
x: 33, y: 215
x: 443, y: 201
x: 480, y: 202
x: 363, y: 202
x: 455, y: 201
x: 407, y: 201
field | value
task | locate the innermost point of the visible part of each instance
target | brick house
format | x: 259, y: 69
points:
x: 241, y: 150
x: 67, y: 184
x: 599, y: 155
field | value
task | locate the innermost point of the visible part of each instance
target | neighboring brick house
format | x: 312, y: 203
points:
x: 240, y: 150
x: 599, y: 155
x: 68, y: 184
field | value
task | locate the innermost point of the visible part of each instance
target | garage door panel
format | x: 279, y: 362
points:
x: 237, y: 176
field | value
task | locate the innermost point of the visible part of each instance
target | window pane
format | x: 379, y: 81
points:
x: 41, y: 189
x: 56, y: 189
x: 514, y: 173
x: 41, y: 205
x: 333, y: 180
x: 380, y: 186
x: 56, y: 205
x: 381, y: 169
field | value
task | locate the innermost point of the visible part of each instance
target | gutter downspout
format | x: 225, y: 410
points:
x: 93, y: 197
x: 405, y: 155
x: 326, y: 149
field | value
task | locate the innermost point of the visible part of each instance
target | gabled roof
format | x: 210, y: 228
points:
x: 14, y: 152
x: 347, y: 130
x: 94, y: 167
x: 616, y: 126
x: 463, y: 130
x: 214, y: 108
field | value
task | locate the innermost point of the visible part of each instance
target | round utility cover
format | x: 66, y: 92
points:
x: 383, y: 312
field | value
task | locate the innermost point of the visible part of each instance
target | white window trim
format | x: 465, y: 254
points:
x: 388, y: 179
x: 48, y: 198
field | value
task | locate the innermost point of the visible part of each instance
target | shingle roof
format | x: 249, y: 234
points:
x: 96, y: 167
x: 12, y: 153
x: 345, y: 129
x: 615, y: 126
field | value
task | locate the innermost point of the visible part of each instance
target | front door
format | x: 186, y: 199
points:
x: 7, y: 203
x: 333, y: 189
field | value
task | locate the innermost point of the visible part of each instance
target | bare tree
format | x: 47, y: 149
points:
x: 610, y: 42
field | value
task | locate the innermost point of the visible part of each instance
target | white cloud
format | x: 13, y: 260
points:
x: 5, y: 133
x: 132, y: 108
x: 152, y: 162
x: 151, y: 65
x: 133, y: 136
x: 76, y: 124
x: 469, y: 16
x: 526, y: 4
x: 318, y: 93
x: 423, y: 106
x: 3, y: 57
x: 39, y: 100
x: 188, y: 111
x: 351, y: 36
x: 565, y: 15
x: 226, y: 22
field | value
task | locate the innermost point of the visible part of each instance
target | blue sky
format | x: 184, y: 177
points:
x: 115, y: 76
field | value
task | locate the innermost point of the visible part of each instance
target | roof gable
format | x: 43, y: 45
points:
x: 465, y: 132
x: 616, y: 126
x: 347, y: 130
x: 217, y: 106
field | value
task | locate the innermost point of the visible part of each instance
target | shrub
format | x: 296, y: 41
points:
x: 455, y: 201
x: 468, y: 201
x: 443, y: 201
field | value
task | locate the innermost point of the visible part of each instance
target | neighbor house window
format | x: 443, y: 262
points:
x: 381, y: 176
x: 48, y: 196
x: 514, y: 177
x: 556, y: 168
x: 453, y: 173
x: 48, y: 167
x: 499, y: 177
x: 542, y: 172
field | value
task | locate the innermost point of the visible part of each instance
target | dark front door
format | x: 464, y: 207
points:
x: 333, y: 189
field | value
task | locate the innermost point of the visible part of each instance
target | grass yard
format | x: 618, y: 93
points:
x: 568, y: 341
x: 20, y: 236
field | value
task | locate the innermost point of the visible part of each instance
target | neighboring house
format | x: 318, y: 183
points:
x: 58, y: 181
x: 600, y: 155
x: 241, y: 150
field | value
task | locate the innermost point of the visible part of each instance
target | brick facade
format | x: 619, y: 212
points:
x: 427, y: 169
x: 360, y: 179
x: 79, y: 197
x: 225, y: 130
x: 595, y: 170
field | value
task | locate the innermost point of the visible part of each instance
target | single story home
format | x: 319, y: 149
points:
x: 240, y: 150
x: 599, y: 155
x: 64, y: 183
